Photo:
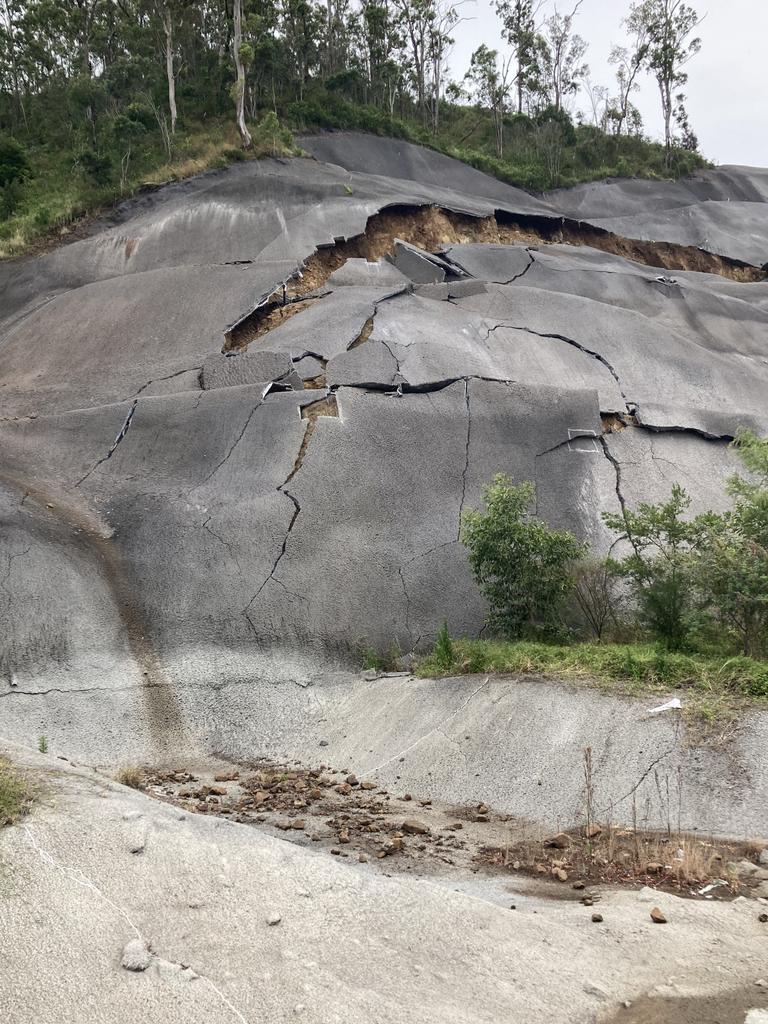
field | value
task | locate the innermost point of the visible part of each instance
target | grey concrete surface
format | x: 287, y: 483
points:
x: 516, y: 744
x: 350, y: 945
x: 161, y: 532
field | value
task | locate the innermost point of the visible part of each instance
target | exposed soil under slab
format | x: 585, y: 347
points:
x: 431, y: 228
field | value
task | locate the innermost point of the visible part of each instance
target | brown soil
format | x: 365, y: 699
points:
x: 263, y: 320
x: 353, y: 817
x: 725, y: 1008
x: 613, y: 423
x: 676, y: 862
x: 364, y: 334
x: 431, y: 228
x: 327, y: 406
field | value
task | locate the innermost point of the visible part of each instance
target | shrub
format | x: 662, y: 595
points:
x: 521, y: 565
x: 443, y: 654
x: 734, y: 562
x: 595, y: 592
x: 95, y: 167
x: 14, y: 165
x: 10, y: 198
x: 131, y: 776
x: 661, y: 567
x: 270, y: 138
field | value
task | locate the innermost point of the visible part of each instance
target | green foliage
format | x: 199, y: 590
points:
x: 733, y: 567
x: 270, y: 138
x: 96, y: 168
x: 14, y: 163
x: 14, y: 795
x: 14, y: 171
x: 662, y: 564
x: 521, y: 565
x: 443, y: 654
x: 42, y: 744
x: 372, y: 659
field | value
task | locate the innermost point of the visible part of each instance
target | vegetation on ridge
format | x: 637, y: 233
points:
x: 685, y: 606
x: 99, y: 98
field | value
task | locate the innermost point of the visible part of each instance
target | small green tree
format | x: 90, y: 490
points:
x: 443, y: 652
x: 595, y: 594
x: 662, y: 564
x: 521, y: 565
x: 734, y: 563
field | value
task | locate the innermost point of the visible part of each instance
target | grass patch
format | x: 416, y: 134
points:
x: 14, y: 794
x: 132, y: 776
x: 715, y: 684
x: 58, y: 200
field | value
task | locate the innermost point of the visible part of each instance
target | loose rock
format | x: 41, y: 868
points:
x: 136, y: 956
x: 657, y: 916
x: 415, y: 828
x: 558, y: 842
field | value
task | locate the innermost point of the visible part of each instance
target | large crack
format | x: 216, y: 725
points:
x: 121, y: 435
x: 434, y: 228
x: 326, y: 406
x: 574, y: 344
x: 159, y: 380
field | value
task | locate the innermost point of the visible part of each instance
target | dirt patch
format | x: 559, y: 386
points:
x: 327, y: 406
x: 724, y: 1008
x: 346, y: 816
x: 613, y: 422
x: 682, y: 863
x: 353, y: 817
x: 275, y: 311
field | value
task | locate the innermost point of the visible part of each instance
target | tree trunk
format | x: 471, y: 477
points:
x: 666, y: 106
x: 168, y: 29
x: 245, y: 135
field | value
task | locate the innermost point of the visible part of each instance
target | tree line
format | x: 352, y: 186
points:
x: 116, y: 86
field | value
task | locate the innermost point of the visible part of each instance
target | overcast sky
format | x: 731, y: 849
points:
x: 728, y: 81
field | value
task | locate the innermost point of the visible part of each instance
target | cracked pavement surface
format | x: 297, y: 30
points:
x: 179, y: 519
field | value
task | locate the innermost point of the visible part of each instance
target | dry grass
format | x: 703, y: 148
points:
x: 15, y: 796
x: 676, y: 861
x: 132, y: 776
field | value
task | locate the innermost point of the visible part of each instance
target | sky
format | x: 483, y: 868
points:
x: 727, y: 88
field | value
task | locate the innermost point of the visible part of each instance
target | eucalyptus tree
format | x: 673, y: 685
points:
x: 520, y: 30
x: 490, y: 80
x: 668, y: 26
x: 562, y: 57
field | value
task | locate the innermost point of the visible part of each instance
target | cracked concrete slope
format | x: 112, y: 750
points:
x: 269, y: 507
